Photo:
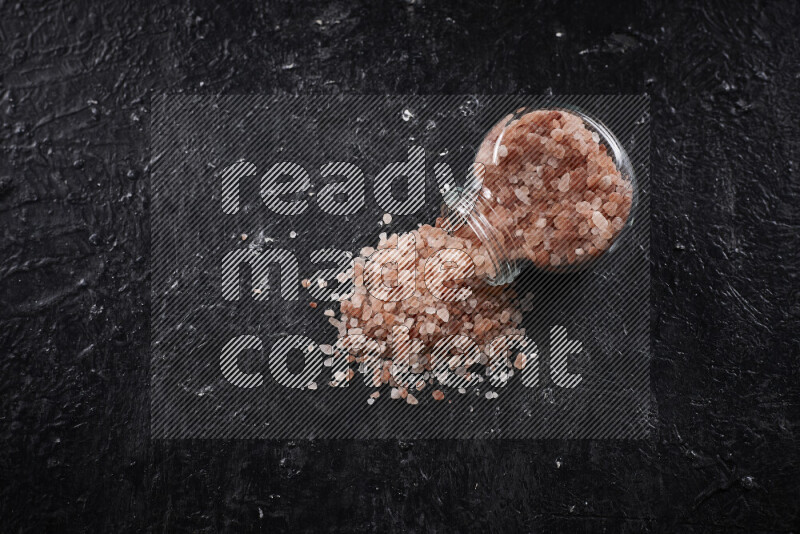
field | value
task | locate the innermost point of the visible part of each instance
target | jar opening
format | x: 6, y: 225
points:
x: 601, y: 188
x: 469, y: 209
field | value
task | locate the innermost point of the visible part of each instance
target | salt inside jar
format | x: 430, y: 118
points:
x: 552, y: 186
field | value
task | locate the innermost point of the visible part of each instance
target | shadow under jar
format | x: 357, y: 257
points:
x: 551, y: 186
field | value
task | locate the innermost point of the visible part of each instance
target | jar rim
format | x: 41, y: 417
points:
x: 614, y: 149
x: 470, y: 212
x: 460, y: 202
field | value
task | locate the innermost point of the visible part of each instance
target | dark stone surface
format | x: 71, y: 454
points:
x: 77, y: 78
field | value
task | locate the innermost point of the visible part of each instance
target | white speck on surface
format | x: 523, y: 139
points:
x: 292, y: 234
x: 407, y: 115
x: 312, y: 385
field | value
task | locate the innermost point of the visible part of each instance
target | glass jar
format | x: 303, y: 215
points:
x: 551, y: 186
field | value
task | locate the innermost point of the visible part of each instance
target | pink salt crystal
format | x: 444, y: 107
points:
x: 610, y: 208
x: 443, y: 314
x: 561, y: 220
x: 534, y: 238
x: 522, y: 196
x: 502, y: 151
x: 563, y: 184
x: 584, y: 208
x: 599, y: 221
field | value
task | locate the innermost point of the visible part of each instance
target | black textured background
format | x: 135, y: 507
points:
x: 77, y: 79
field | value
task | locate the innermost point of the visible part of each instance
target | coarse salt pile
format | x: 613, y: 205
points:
x: 552, y: 188
x: 427, y: 315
